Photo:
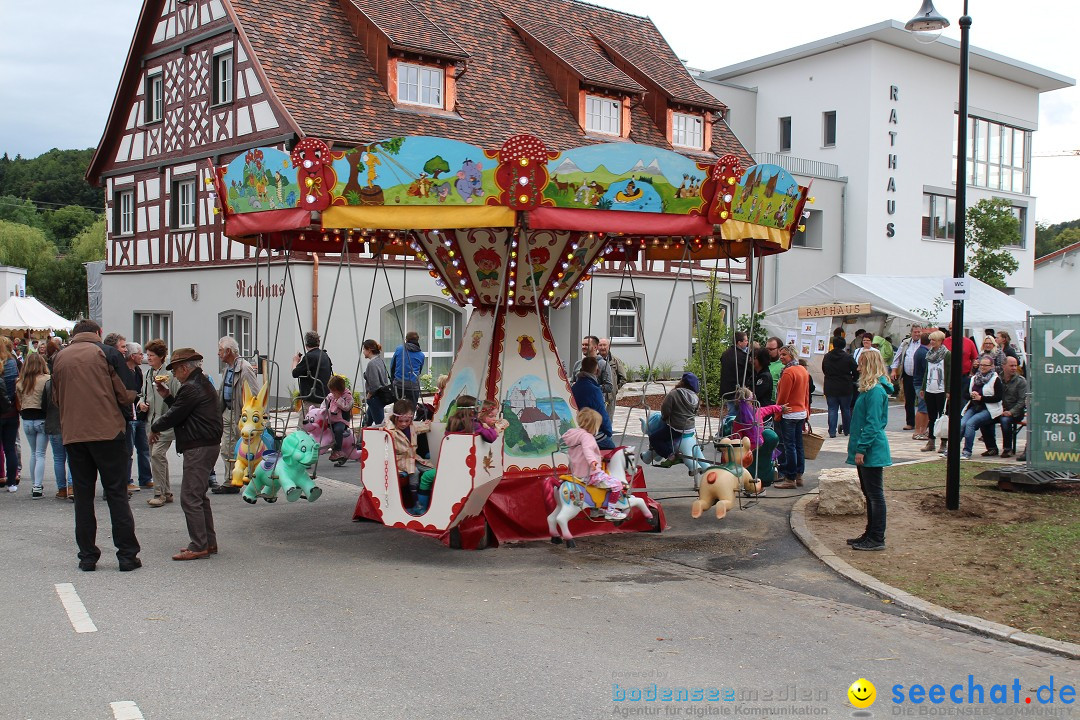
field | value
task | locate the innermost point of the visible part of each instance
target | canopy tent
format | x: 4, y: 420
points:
x: 27, y: 313
x: 896, y: 302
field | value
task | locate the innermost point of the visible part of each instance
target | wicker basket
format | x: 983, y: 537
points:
x: 811, y: 442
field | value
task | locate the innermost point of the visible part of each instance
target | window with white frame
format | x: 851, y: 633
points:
x: 1020, y: 213
x: 624, y: 319
x: 183, y: 204
x: 938, y: 217
x: 687, y: 131
x: 785, y: 134
x: 810, y: 234
x: 125, y: 212
x: 828, y: 129
x: 438, y: 325
x: 152, y: 325
x: 155, y: 97
x: 997, y: 156
x: 709, y: 309
x: 223, y: 78
x: 420, y: 85
x: 603, y: 115
x: 237, y: 325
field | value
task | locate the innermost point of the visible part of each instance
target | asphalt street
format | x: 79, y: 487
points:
x: 305, y: 614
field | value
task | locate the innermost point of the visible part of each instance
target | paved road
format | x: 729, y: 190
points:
x: 307, y: 615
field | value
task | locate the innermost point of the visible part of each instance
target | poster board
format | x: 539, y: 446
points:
x: 1054, y: 411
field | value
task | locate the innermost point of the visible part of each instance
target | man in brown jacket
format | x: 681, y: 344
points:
x: 89, y: 394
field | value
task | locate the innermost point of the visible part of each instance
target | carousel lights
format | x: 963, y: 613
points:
x: 462, y: 282
x: 513, y: 263
x: 727, y: 198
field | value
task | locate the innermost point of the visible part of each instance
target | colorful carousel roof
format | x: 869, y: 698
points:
x: 520, y: 225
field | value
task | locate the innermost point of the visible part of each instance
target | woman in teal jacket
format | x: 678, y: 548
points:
x: 868, y: 447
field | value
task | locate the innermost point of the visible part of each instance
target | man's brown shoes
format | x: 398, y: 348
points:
x: 186, y: 554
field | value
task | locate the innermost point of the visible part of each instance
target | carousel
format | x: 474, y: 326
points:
x: 513, y: 233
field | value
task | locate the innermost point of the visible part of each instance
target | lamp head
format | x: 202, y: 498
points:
x: 927, y: 23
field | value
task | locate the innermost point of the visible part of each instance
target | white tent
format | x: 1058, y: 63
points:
x: 27, y: 313
x: 895, y: 302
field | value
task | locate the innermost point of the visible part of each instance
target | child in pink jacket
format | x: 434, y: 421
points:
x: 338, y: 406
x: 585, y: 459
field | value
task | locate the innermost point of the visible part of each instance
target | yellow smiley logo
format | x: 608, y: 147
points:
x: 862, y: 693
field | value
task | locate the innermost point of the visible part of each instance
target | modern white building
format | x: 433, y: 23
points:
x: 869, y: 116
x: 12, y: 282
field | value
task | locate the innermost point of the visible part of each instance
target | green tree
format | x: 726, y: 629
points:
x: 18, y: 210
x: 24, y: 246
x: 436, y: 166
x: 67, y: 222
x: 89, y: 245
x: 991, y: 226
x: 61, y: 285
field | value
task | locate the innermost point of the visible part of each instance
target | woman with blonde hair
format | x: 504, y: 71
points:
x: 30, y: 390
x: 868, y: 446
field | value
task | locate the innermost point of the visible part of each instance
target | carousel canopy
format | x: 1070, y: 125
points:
x: 27, y: 313
x: 520, y: 225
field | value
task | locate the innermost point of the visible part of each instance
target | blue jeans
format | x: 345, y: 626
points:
x: 972, y: 421
x: 842, y: 405
x: 35, y: 435
x: 374, y: 416
x: 792, y: 462
x: 136, y: 437
x: 56, y: 442
x: 872, y: 483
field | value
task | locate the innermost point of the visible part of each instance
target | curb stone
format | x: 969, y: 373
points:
x: 908, y: 601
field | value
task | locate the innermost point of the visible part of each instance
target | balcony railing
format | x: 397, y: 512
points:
x: 799, y: 166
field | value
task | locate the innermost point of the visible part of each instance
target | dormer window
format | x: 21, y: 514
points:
x: 603, y: 115
x: 420, y: 85
x: 687, y: 131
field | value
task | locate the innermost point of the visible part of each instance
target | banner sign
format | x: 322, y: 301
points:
x: 834, y: 310
x: 1054, y: 420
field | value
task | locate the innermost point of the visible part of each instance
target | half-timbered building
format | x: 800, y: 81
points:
x: 209, y: 80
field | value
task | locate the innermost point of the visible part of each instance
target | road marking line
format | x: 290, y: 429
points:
x: 76, y: 611
x: 126, y: 710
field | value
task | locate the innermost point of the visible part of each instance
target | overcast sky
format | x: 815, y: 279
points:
x: 60, y: 61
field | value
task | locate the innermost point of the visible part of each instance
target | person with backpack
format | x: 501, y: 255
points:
x: 313, y: 370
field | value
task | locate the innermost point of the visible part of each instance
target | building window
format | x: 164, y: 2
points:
x: 687, y: 131
x: 997, y: 156
x: 603, y: 115
x: 155, y: 97
x: 828, y: 129
x: 624, y: 319
x: 785, y: 134
x: 183, y: 204
x: 420, y: 85
x: 223, y: 78
x: 152, y: 325
x: 237, y: 325
x: 938, y: 217
x: 810, y: 235
x: 438, y: 325
x: 124, y: 207
x: 1020, y: 213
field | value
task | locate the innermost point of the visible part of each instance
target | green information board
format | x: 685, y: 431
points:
x: 1054, y: 421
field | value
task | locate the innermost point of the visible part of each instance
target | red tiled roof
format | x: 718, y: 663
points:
x: 675, y: 81
x: 1056, y: 254
x: 533, y: 414
x: 408, y: 28
x: 578, y: 57
x: 319, y: 72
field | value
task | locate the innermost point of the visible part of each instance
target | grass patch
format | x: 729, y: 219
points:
x: 1008, y: 557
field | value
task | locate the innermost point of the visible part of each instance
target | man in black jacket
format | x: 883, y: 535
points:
x: 194, y: 415
x: 313, y: 370
x: 841, y: 372
x: 734, y: 369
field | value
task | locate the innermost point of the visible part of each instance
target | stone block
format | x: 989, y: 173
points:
x: 839, y: 493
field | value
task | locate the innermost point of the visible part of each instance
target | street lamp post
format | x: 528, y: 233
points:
x: 929, y: 21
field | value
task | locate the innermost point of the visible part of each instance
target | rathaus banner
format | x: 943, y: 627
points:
x: 1054, y: 423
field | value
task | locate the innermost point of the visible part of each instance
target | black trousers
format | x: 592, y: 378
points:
x: 910, y: 398
x: 109, y: 459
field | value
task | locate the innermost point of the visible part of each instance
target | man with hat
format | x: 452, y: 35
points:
x: 89, y: 393
x: 195, y: 417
